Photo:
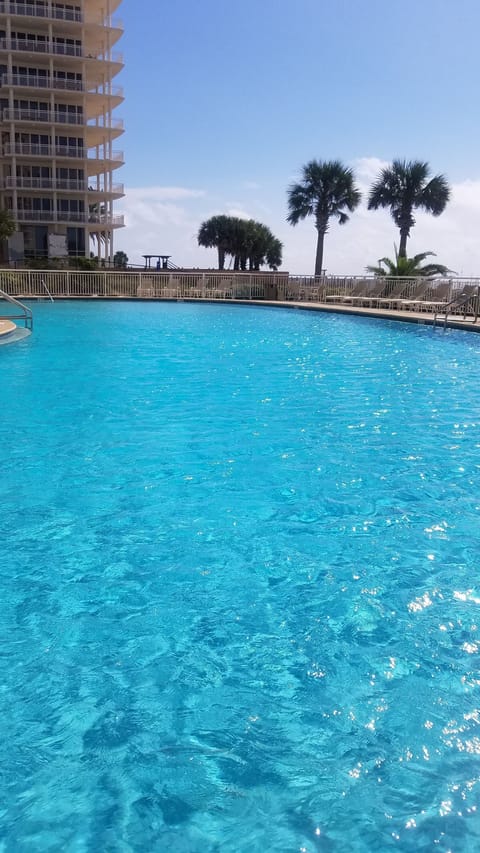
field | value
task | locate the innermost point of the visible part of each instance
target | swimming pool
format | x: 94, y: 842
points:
x: 240, y: 599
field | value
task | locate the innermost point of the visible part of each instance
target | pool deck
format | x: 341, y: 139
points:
x: 419, y: 317
x: 6, y: 328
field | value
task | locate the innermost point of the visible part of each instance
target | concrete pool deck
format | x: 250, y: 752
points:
x: 420, y: 317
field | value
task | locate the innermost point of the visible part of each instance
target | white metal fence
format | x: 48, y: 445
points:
x: 416, y: 294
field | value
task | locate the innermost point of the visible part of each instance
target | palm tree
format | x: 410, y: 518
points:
x: 327, y: 190
x: 405, y: 186
x: 408, y: 267
x: 216, y: 233
x: 120, y: 260
x: 246, y: 241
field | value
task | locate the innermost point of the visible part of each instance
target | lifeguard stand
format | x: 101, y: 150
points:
x: 161, y: 262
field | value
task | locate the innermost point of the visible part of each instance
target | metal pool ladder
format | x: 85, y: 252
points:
x: 463, y: 299
x: 25, y: 314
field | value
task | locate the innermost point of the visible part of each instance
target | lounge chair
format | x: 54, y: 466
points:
x: 293, y: 292
x: 418, y: 293
x: 394, y: 296
x: 372, y: 293
x: 313, y: 294
x: 360, y: 289
x: 173, y: 288
x: 440, y: 298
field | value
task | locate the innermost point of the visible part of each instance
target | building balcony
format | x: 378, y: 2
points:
x: 43, y: 116
x: 97, y: 129
x: 106, y: 220
x: 23, y: 149
x: 98, y: 132
x: 59, y: 185
x: 56, y: 48
x: 53, y: 184
x: 30, y: 81
x: 49, y: 12
x: 97, y: 96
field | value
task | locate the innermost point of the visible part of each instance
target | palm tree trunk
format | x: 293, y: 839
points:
x: 402, y: 251
x: 319, y: 256
x: 221, y: 258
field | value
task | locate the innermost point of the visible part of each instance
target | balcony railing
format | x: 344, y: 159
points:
x: 57, y: 48
x: 30, y: 10
x: 24, y: 183
x: 57, y: 13
x: 104, y: 219
x: 114, y: 156
x: 52, y: 117
x: 24, y: 149
x: 116, y: 189
x: 57, y: 185
x: 31, y: 81
x: 104, y: 123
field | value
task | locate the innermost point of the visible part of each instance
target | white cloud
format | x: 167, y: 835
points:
x: 237, y: 210
x: 166, y: 219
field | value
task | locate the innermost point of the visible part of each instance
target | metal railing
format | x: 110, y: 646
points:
x: 468, y: 300
x: 58, y: 185
x: 25, y: 183
x: 212, y: 285
x: 113, y: 221
x: 106, y: 123
x: 32, y: 81
x: 111, y: 156
x: 50, y: 116
x: 156, y: 285
x: 24, y: 149
x: 25, y: 316
x: 58, y: 48
x: 42, y: 11
x: 60, y: 117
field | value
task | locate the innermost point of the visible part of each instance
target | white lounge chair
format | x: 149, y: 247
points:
x: 360, y: 289
x: 371, y: 295
x: 440, y: 298
x: 394, y: 296
x: 418, y: 293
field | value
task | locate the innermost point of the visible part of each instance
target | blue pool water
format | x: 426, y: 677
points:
x: 240, y: 601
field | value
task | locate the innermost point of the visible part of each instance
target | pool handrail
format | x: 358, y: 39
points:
x: 26, y: 315
x: 468, y: 294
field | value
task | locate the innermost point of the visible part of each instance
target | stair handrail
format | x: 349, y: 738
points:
x: 26, y: 316
x: 46, y: 288
x: 457, y: 302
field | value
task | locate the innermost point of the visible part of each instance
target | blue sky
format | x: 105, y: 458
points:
x: 226, y: 100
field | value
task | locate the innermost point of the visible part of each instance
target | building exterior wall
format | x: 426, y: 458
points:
x: 57, y: 99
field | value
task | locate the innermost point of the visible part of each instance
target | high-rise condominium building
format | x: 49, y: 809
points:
x: 57, y: 161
